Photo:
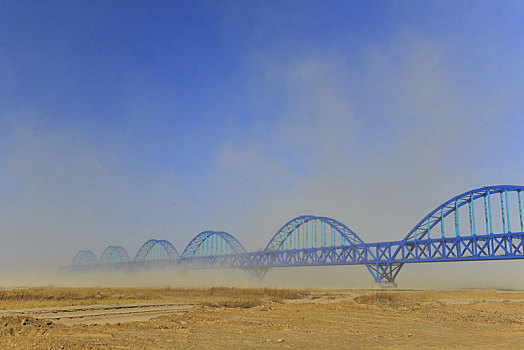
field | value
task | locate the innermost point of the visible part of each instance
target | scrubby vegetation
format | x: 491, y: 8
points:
x: 59, y: 296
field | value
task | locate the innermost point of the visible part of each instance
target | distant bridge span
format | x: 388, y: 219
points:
x: 473, y: 226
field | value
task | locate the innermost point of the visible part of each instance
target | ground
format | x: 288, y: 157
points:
x: 217, y: 318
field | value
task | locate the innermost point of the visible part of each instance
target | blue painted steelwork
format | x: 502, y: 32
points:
x: 84, y: 258
x: 296, y: 224
x: 309, y: 254
x: 507, y: 209
x: 420, y: 230
x: 294, y: 235
x: 486, y: 214
x: 449, y: 207
x: 114, y: 255
x: 520, y: 211
x: 472, y: 216
x: 296, y: 243
x: 457, y: 223
x: 489, y: 212
x: 441, y: 222
x: 156, y: 250
x: 202, y: 252
x: 502, y: 211
x: 233, y: 246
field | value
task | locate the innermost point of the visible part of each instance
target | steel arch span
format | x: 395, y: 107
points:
x: 313, y: 240
x: 441, y: 235
x: 156, y: 250
x: 309, y: 231
x: 483, y: 199
x: 214, y: 249
x: 213, y: 243
x: 84, y: 258
x: 482, y: 224
x: 114, y: 255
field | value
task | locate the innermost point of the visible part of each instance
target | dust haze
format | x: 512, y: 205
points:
x: 376, y: 144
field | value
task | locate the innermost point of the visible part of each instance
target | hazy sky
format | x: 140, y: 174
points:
x: 122, y: 121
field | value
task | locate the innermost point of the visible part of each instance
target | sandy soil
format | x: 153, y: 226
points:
x: 341, y: 319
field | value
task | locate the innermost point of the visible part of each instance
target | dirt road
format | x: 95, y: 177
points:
x: 102, y: 314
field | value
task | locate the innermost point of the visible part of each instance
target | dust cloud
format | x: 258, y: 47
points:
x: 415, y: 276
x: 278, y: 278
x: 376, y: 145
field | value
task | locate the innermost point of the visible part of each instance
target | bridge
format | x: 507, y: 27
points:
x: 473, y: 226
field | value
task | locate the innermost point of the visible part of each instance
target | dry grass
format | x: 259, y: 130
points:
x: 378, y: 295
x: 222, y: 296
x: 243, y: 303
x: 396, y: 296
x: 55, y: 296
x: 399, y: 296
x: 259, y: 292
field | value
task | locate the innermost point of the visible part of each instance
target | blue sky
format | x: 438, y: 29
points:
x: 126, y: 120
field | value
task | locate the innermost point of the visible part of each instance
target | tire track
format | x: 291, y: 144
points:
x: 102, y: 314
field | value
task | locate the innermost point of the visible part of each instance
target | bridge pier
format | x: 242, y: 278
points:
x: 257, y: 273
x: 384, y: 285
x: 385, y: 274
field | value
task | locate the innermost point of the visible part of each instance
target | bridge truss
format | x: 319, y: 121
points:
x: 483, y: 233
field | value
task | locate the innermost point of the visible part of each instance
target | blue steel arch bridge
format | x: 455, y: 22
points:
x: 481, y: 224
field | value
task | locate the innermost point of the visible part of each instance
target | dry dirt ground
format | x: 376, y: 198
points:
x: 218, y: 318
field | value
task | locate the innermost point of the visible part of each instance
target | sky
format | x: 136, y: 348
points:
x: 122, y: 121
